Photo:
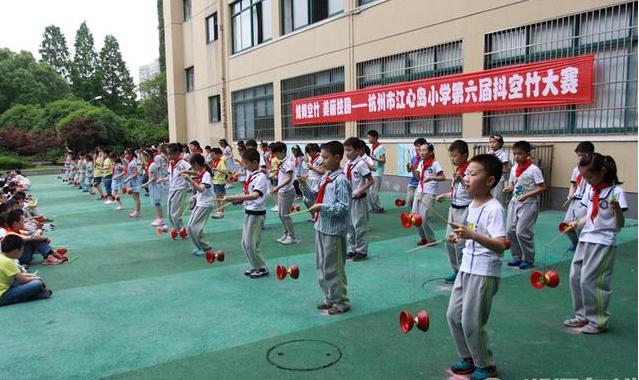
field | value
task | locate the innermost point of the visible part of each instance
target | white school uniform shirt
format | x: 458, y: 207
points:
x: 527, y: 181
x: 459, y: 195
x: 378, y: 152
x: 487, y: 220
x: 429, y: 187
x: 287, y: 165
x: 603, y: 230
x: 501, y: 155
x: 257, y: 181
x: 315, y: 163
x: 358, y: 172
x: 368, y: 160
x: 583, y: 185
x: 176, y: 180
x: 206, y: 197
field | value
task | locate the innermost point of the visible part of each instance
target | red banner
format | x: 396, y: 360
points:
x: 541, y: 84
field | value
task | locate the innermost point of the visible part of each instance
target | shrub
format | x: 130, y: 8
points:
x: 10, y: 163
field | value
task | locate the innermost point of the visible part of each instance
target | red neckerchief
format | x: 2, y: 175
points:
x: 198, y: 180
x: 595, y: 198
x: 320, y: 195
x: 522, y: 167
x: 172, y: 164
x: 247, y: 183
x: 349, y: 167
x: 216, y: 162
x: 427, y: 163
x: 462, y: 169
x: 579, y: 178
x: 8, y: 229
x: 375, y: 145
x: 416, y: 163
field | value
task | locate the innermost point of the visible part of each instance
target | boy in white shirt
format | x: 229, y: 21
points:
x: 430, y: 173
x: 359, y: 176
x: 178, y: 190
x: 254, y: 198
x: 480, y: 270
x: 496, y: 143
x: 578, y: 189
x: 204, y: 201
x: 602, y: 218
x: 285, y: 191
x: 526, y: 183
x: 378, y: 154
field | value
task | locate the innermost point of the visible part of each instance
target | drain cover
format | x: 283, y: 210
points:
x: 304, y: 355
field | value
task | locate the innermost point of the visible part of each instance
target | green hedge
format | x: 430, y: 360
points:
x: 8, y: 163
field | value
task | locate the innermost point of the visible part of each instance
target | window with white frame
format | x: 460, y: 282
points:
x: 211, y: 28
x: 251, y: 23
x: 253, y: 113
x: 214, y: 109
x: 190, y: 79
x: 186, y: 10
x: 300, y: 13
x: 608, y: 33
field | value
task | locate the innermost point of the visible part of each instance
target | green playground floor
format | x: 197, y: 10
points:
x: 135, y: 305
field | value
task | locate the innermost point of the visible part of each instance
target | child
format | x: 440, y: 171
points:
x: 429, y: 172
x: 88, y: 177
x: 177, y: 188
x: 82, y: 171
x: 332, y: 198
x: 227, y: 152
x: 298, y: 158
x: 119, y: 174
x: 284, y: 191
x: 315, y: 167
x: 202, y: 184
x: 460, y: 199
x: 496, y: 143
x: 218, y: 165
x: 591, y: 271
x: 107, y: 174
x: 157, y: 189
x: 360, y: 179
x: 411, y: 167
x: 378, y: 154
x: 33, y: 242
x: 527, y: 182
x: 254, y: 198
x: 578, y: 188
x: 471, y: 297
x: 273, y: 165
x: 133, y: 181
x: 97, y: 174
x: 16, y: 286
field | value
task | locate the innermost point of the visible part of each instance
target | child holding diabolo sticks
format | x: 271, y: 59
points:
x: 203, y: 185
x: 480, y: 270
x: 360, y: 179
x: 254, y: 199
x: 578, y: 188
x: 178, y: 190
x: 591, y: 271
x: 460, y: 199
x: 429, y: 172
x: 332, y: 198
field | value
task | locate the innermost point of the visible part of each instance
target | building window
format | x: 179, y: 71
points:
x: 362, y: 2
x: 320, y: 83
x: 299, y: 13
x: 251, y: 22
x: 424, y: 63
x: 190, y: 80
x: 608, y: 33
x: 253, y: 113
x: 211, y: 28
x: 214, y: 109
x: 186, y: 9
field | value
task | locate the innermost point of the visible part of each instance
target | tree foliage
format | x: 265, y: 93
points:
x: 54, y: 51
x: 85, y: 78
x: 118, y: 89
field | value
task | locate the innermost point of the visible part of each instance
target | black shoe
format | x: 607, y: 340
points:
x: 360, y: 257
x: 257, y: 273
x: 350, y: 255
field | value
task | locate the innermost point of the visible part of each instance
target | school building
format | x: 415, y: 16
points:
x: 234, y: 69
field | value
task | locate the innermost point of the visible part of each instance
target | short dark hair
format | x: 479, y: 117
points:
x: 278, y: 146
x: 373, y: 133
x: 522, y: 145
x: 585, y: 147
x: 216, y: 150
x: 335, y: 148
x: 11, y: 217
x: 195, y: 143
x: 499, y: 139
x: 251, y: 144
x: 458, y: 145
x: 11, y: 242
x: 492, y: 165
x: 355, y: 143
x: 595, y: 162
x: 251, y: 155
x: 174, y: 148
x: 420, y: 141
x: 312, y: 147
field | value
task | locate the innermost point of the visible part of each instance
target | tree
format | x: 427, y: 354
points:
x: 22, y: 116
x: 118, y: 88
x: 84, y: 74
x: 161, y: 36
x: 54, y: 51
x: 153, y: 108
x: 25, y: 81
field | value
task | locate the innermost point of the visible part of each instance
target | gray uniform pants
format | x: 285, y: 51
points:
x: 373, y: 194
x: 358, y: 226
x: 195, y: 226
x: 251, y: 237
x: 176, y: 205
x: 284, y: 204
x: 410, y: 195
x: 520, y: 226
x: 455, y: 215
x: 468, y: 311
x: 422, y: 205
x: 590, y: 277
x: 574, y: 212
x: 330, y: 258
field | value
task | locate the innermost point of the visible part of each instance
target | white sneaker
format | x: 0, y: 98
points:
x: 289, y: 240
x: 108, y: 202
x: 119, y: 208
x: 274, y: 208
x: 218, y: 215
x: 282, y: 238
x: 157, y: 223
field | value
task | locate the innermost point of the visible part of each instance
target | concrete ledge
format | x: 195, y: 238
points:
x: 34, y: 172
